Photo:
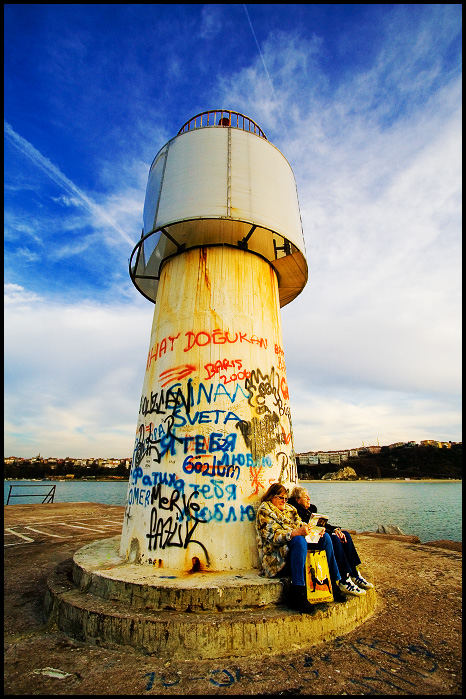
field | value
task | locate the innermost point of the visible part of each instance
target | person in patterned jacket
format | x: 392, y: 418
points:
x: 282, y: 545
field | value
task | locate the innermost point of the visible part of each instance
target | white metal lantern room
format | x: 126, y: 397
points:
x: 221, y: 182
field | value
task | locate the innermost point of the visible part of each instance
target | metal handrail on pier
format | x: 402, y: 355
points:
x: 47, y: 498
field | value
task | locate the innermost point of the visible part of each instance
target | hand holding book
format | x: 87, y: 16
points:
x: 316, y: 528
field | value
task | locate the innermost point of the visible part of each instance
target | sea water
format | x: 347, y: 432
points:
x: 426, y: 509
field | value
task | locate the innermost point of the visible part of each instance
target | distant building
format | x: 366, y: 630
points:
x: 323, y: 457
x: 435, y: 443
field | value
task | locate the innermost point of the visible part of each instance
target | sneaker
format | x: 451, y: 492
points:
x: 349, y: 588
x: 359, y: 581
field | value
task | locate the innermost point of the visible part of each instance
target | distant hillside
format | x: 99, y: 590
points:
x: 397, y: 462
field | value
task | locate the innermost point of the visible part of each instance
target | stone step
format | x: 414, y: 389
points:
x: 99, y: 570
x: 207, y: 634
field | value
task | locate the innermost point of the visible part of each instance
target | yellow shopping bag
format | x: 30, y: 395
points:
x: 319, y: 587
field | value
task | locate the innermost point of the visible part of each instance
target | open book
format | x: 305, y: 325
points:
x: 316, y: 528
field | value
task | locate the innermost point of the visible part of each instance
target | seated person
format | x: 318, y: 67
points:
x: 283, y: 547
x: 343, y: 546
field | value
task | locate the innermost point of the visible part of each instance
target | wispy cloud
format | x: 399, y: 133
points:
x: 15, y: 225
x: 211, y: 21
x: 63, y: 181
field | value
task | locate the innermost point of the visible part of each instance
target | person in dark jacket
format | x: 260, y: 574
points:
x: 352, y: 582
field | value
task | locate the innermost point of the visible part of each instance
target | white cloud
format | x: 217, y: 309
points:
x: 345, y: 419
x: 15, y: 227
x: 66, y: 201
x: 380, y: 205
x: 373, y: 342
x: 384, y: 260
x: 17, y: 296
x: 26, y: 255
x: 74, y: 375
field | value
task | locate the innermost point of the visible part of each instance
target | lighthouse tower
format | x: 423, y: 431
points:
x: 221, y: 251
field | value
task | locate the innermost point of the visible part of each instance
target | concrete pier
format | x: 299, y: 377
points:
x: 98, y: 597
x: 410, y: 645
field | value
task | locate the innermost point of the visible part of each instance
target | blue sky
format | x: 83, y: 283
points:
x: 365, y: 103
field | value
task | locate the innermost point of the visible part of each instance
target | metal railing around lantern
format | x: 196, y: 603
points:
x: 222, y: 117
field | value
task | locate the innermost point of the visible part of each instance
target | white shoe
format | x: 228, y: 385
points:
x: 349, y: 588
x: 359, y: 581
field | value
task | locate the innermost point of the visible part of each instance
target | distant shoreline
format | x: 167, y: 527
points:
x: 301, y: 480
x: 71, y: 480
x: 385, y: 480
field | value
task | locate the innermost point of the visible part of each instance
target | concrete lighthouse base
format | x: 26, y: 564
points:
x: 100, y: 598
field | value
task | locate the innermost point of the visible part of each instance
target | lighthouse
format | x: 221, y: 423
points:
x: 221, y: 251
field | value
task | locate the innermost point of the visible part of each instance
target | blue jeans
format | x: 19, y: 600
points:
x: 346, y: 555
x: 296, y: 558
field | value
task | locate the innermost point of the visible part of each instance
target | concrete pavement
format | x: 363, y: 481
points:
x: 412, y: 645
